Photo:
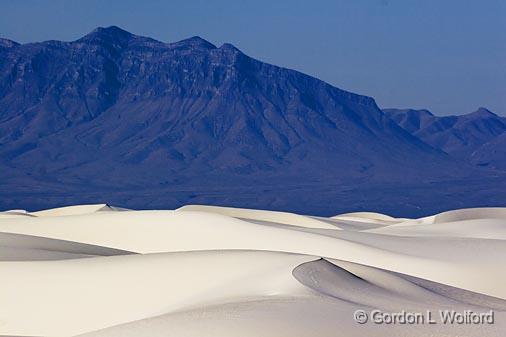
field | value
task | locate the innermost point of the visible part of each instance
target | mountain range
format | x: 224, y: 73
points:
x: 125, y: 119
x: 475, y: 137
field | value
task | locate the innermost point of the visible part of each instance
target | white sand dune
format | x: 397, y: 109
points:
x: 215, y: 271
x: 20, y: 247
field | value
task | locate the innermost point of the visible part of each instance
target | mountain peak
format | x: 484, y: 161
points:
x: 111, y: 31
x: 107, y: 34
x: 411, y: 120
x: 194, y: 42
x: 482, y: 112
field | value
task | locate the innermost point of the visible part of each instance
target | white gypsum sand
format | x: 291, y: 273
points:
x: 215, y: 271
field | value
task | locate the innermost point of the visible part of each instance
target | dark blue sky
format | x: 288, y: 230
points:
x: 445, y: 55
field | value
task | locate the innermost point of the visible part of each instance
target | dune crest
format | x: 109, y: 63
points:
x: 77, y: 210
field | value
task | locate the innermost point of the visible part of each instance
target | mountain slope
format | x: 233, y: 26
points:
x: 114, y: 113
x: 492, y: 153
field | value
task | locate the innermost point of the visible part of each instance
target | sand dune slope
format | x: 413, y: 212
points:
x: 214, y: 271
